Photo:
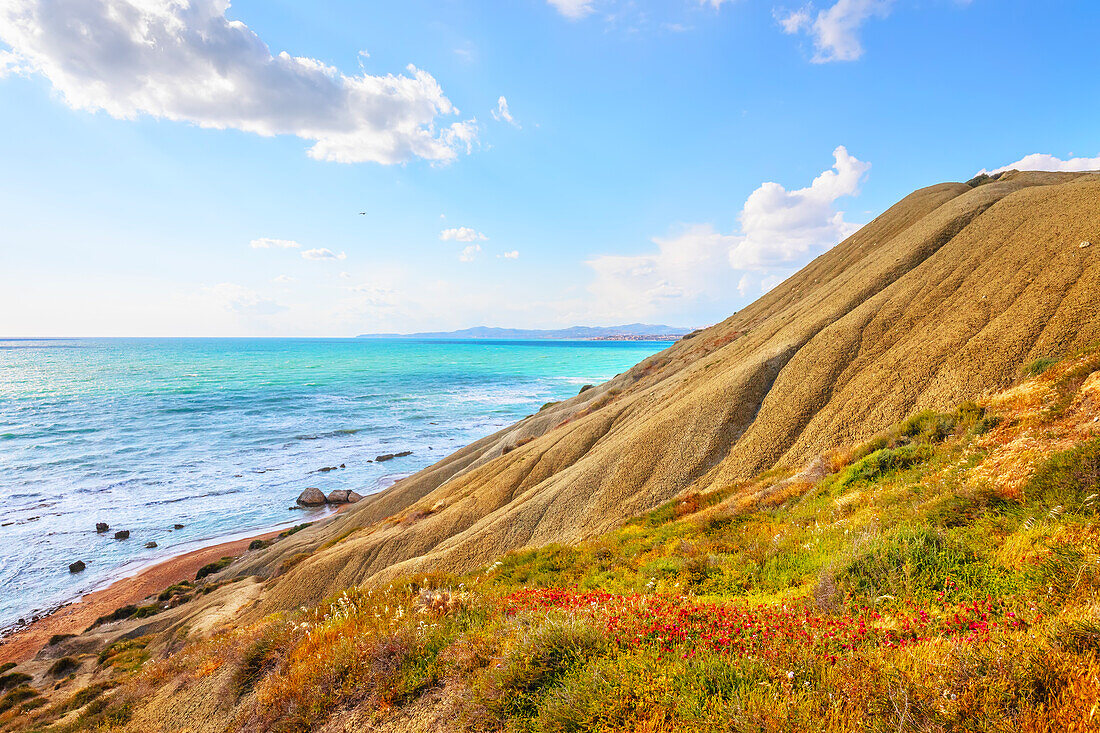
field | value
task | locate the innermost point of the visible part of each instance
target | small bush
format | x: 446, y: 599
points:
x: 885, y: 461
x: 8, y: 665
x: 63, y: 666
x: 1039, y: 366
x: 213, y: 567
x: 258, y: 544
x: 914, y: 564
x: 536, y: 664
x: 13, y: 680
x: 16, y: 696
x: 125, y: 654
x: 1070, y: 479
x: 58, y: 638
x: 180, y: 590
x: 118, y: 614
x: 88, y: 694
x: 293, y: 530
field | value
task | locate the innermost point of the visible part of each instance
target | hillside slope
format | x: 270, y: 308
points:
x: 943, y: 297
x: 943, y: 576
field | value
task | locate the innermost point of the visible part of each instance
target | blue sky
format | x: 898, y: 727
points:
x: 195, y: 168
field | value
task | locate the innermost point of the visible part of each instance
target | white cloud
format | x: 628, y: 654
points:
x: 461, y: 234
x: 1046, y: 162
x: 469, y: 252
x: 186, y: 61
x: 282, y: 279
x: 835, y: 30
x: 503, y: 114
x: 572, y: 9
x: 269, y: 243
x: 323, y: 253
x: 512, y: 255
x: 239, y: 299
x: 780, y: 231
x: 781, y: 226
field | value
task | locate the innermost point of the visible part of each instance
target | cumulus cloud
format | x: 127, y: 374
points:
x: 834, y: 30
x: 282, y: 279
x: 269, y: 243
x: 503, y: 114
x: 512, y: 255
x: 323, y: 253
x: 1046, y: 162
x: 780, y: 230
x: 186, y: 61
x: 461, y: 234
x: 572, y: 9
x: 469, y: 252
x: 781, y: 227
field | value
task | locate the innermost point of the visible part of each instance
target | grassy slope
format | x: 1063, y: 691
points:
x: 944, y: 576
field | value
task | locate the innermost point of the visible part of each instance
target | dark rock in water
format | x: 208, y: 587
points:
x: 342, y: 466
x: 102, y: 527
x: 150, y: 545
x: 338, y: 496
x: 77, y: 566
x: 354, y: 496
x: 311, y: 497
x: 390, y: 456
x: 122, y: 534
x: 325, y: 469
x: 177, y: 526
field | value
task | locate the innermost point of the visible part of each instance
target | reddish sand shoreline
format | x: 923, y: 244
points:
x: 79, y: 615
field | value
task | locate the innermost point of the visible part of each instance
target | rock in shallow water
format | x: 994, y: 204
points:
x: 77, y: 566
x: 102, y: 527
x: 150, y: 544
x: 354, y: 496
x: 122, y: 534
x: 338, y: 496
x: 311, y: 497
x: 390, y: 456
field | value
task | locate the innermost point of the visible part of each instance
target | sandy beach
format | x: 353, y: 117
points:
x: 79, y: 615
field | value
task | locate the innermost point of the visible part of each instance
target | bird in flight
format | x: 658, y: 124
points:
x: 362, y: 213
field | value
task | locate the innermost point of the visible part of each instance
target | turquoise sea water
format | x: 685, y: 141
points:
x: 221, y: 435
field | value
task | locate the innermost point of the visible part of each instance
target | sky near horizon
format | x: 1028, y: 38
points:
x: 195, y: 168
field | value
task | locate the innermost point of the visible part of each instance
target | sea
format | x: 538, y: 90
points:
x: 221, y: 435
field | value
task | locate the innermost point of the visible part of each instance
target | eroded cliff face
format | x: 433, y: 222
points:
x: 943, y: 297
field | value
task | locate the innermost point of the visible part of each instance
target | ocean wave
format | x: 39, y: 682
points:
x: 192, y: 497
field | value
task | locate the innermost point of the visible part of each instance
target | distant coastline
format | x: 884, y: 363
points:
x: 626, y: 332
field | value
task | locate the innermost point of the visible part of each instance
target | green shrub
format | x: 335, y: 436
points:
x: 1069, y: 479
x: 14, y: 679
x: 16, y: 696
x: 1039, y: 366
x: 916, y: 564
x: 63, y: 666
x: 547, y: 654
x: 214, y: 567
x: 885, y: 461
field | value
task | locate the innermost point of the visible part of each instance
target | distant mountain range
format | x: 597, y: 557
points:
x: 628, y: 332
